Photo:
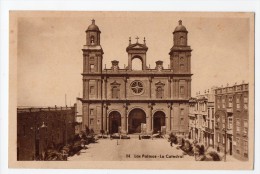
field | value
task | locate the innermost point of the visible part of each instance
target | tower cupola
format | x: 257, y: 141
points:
x: 93, y: 34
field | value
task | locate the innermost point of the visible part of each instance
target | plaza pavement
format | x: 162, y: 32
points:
x: 131, y: 150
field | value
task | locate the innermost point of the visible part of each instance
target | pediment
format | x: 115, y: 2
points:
x: 159, y: 83
x: 115, y: 83
x: 137, y: 46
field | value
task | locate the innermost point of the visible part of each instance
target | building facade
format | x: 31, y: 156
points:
x: 231, y: 117
x: 128, y: 100
x: 201, y: 118
x: 41, y: 128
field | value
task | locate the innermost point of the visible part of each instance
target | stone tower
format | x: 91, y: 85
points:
x: 92, y: 70
x: 180, y: 53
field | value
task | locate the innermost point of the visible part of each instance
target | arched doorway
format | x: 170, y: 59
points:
x: 114, y: 122
x: 135, y: 119
x: 158, y: 121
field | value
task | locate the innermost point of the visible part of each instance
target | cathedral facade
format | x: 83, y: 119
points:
x: 130, y: 101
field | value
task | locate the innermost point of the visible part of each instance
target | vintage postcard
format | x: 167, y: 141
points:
x: 131, y: 90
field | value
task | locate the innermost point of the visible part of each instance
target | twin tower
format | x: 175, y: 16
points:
x: 129, y: 101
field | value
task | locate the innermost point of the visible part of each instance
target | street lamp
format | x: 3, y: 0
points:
x: 35, y: 137
x: 224, y: 129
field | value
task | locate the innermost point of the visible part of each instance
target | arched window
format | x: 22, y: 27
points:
x: 159, y: 92
x: 181, y: 40
x: 182, y: 90
x: 92, y: 39
x: 137, y: 64
x: 115, y: 92
x: 182, y: 67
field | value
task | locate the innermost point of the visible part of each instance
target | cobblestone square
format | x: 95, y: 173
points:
x: 131, y: 150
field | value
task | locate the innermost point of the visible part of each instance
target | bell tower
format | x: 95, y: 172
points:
x: 92, y: 70
x: 180, y: 53
x: 137, y: 51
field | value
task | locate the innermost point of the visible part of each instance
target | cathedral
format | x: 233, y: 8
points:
x: 132, y: 101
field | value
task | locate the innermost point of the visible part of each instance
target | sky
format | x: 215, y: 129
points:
x: 50, y: 61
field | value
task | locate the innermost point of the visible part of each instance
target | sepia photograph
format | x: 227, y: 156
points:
x: 131, y: 90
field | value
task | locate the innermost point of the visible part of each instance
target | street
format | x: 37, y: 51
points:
x: 131, y: 150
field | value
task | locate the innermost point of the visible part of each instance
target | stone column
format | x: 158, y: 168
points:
x: 84, y: 63
x: 124, y: 120
x: 149, y: 119
x: 107, y: 119
x: 85, y: 115
x: 87, y: 63
x: 86, y: 89
x: 177, y: 89
x: 125, y: 94
x: 150, y: 87
x: 105, y: 82
x: 105, y: 128
x: 172, y: 92
x: 97, y: 89
x: 169, y: 87
x: 189, y: 88
x: 168, y: 118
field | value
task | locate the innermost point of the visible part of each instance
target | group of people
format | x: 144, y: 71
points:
x: 193, y: 149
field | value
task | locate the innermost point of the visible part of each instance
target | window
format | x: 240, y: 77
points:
x: 91, y: 121
x: 245, y: 102
x: 181, y: 66
x: 218, y: 137
x: 159, y: 92
x: 223, y: 139
x: 223, y: 121
x: 238, y: 102
x: 217, y: 122
x: 115, y: 92
x: 92, y: 67
x: 218, y: 102
x: 230, y: 123
x: 92, y: 90
x: 182, y: 121
x: 245, y: 127
x: 223, y: 102
x: 137, y: 87
x: 182, y: 90
x: 238, y: 125
x: 212, y: 113
x: 91, y: 111
x: 181, y: 40
x: 237, y: 145
x: 245, y: 149
x: 182, y: 111
x: 92, y: 39
x: 230, y: 102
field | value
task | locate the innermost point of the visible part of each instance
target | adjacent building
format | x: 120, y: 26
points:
x: 231, y: 128
x: 127, y: 100
x: 41, y: 128
x: 201, y: 117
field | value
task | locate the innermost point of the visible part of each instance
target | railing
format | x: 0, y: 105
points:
x: 38, y: 109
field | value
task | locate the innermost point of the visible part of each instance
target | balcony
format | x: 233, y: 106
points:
x: 229, y: 110
x: 209, y: 130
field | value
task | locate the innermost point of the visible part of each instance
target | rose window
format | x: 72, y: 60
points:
x: 137, y: 87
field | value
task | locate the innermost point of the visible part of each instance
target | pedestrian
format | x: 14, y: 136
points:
x: 171, y: 143
x: 139, y: 137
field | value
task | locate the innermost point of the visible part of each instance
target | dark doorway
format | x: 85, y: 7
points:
x: 114, y: 122
x: 230, y: 146
x: 37, y: 148
x: 135, y: 119
x: 158, y: 121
